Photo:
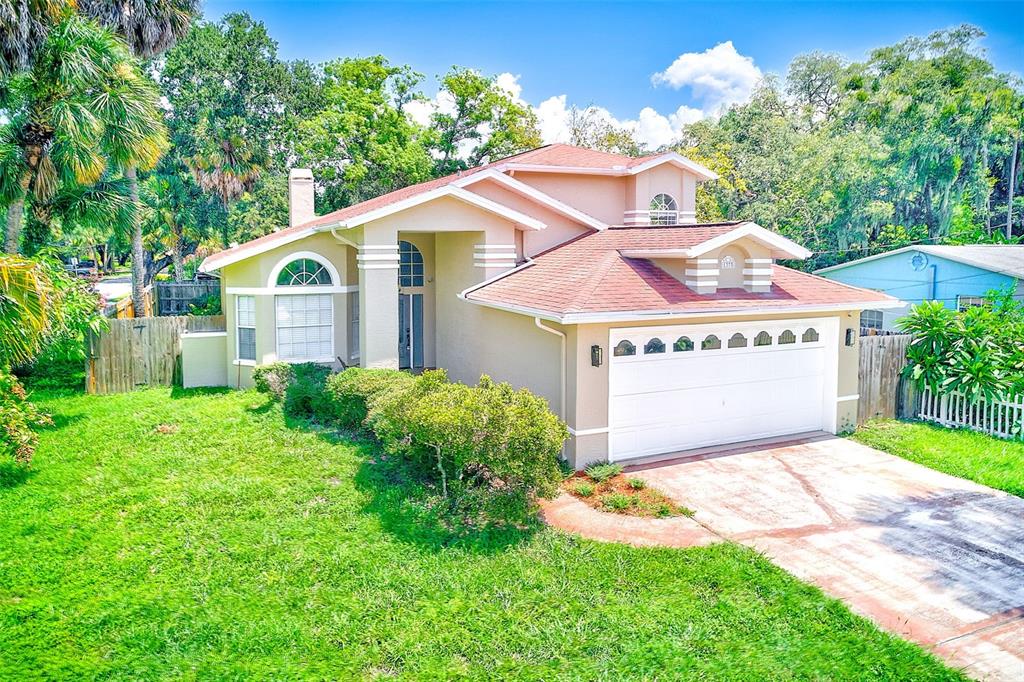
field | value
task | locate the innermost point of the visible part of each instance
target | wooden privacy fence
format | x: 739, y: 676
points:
x: 174, y: 298
x: 1000, y: 418
x: 140, y: 352
x: 883, y: 393
x: 125, y: 308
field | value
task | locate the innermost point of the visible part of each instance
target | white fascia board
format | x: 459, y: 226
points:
x: 646, y: 316
x: 757, y: 233
x: 445, y: 191
x: 524, y: 190
x: 231, y: 258
x: 676, y: 160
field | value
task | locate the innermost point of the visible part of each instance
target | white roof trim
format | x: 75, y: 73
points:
x: 671, y: 157
x: 522, y: 189
x: 425, y: 197
x: 646, y: 316
x: 774, y: 241
x: 225, y: 258
x: 939, y: 252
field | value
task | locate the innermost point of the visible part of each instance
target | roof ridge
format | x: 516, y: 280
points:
x: 593, y: 280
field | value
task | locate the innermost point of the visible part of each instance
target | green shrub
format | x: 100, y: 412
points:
x: 617, y: 501
x: 208, y: 304
x: 273, y: 378
x: 490, y: 444
x: 602, y: 471
x: 349, y: 393
x: 583, y: 489
x: 18, y: 418
x: 304, y: 397
x: 637, y: 483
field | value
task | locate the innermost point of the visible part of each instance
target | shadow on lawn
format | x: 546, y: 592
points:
x: 13, y: 474
x: 179, y: 393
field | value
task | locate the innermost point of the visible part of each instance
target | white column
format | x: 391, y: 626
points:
x: 378, y: 305
x: 494, y: 259
x: 702, y: 275
x: 757, y: 275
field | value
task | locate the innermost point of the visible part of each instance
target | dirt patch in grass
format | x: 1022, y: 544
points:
x: 623, y: 494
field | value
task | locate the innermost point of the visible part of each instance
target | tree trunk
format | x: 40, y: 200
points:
x: 138, y: 253
x: 1009, y: 193
x: 176, y: 255
x: 14, y: 217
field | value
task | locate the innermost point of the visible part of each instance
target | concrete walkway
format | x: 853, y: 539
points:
x: 933, y: 558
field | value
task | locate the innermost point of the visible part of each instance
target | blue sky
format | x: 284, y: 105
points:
x: 607, y: 53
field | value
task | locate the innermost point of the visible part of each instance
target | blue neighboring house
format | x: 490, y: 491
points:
x: 959, y: 276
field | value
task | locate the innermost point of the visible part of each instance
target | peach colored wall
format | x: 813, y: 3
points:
x: 601, y: 196
x: 559, y: 228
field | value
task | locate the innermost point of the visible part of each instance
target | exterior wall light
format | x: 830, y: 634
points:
x: 850, y: 338
x: 596, y: 355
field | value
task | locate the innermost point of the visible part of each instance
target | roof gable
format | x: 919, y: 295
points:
x: 1004, y: 259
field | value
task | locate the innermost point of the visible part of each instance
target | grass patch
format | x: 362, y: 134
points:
x: 194, y: 534
x: 975, y: 456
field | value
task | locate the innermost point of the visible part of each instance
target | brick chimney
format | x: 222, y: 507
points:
x: 300, y: 196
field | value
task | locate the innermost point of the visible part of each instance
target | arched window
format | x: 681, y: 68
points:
x: 763, y: 339
x: 303, y: 272
x: 711, y: 343
x: 663, y: 210
x: 682, y: 344
x: 655, y: 345
x: 787, y: 337
x: 410, y: 265
x: 737, y: 340
x: 624, y: 348
x: 727, y: 263
x: 810, y: 336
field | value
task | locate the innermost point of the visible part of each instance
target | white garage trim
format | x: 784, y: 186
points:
x: 751, y: 377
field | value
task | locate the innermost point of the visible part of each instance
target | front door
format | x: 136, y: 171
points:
x: 410, y: 331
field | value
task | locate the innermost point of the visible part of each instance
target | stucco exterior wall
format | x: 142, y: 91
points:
x: 600, y: 196
x: 251, y: 277
x: 202, y: 359
x: 588, y: 409
x: 473, y: 340
x: 663, y: 179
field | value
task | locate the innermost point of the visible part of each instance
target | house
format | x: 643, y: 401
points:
x: 578, y: 274
x: 959, y: 276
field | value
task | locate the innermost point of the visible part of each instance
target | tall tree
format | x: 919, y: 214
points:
x: 479, y: 121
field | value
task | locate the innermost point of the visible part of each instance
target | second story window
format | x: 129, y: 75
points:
x: 664, y: 210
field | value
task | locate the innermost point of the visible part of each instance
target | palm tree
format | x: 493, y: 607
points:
x: 26, y: 294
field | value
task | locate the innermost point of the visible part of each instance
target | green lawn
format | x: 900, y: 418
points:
x: 228, y: 545
x: 968, y: 454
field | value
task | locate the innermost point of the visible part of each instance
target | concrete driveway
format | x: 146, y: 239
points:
x: 933, y: 558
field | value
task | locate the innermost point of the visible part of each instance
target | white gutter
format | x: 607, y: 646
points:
x: 561, y: 337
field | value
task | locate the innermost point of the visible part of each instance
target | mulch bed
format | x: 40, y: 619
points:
x: 622, y: 494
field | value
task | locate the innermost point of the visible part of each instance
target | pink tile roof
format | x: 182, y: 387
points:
x: 549, y: 155
x: 589, y: 275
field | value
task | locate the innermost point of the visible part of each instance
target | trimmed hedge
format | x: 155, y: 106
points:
x: 351, y: 392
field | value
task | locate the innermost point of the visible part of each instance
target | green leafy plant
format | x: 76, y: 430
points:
x: 583, y: 488
x: 304, y: 396
x: 602, y: 471
x: 617, y: 501
x: 206, y: 305
x: 637, y: 483
x: 351, y: 392
x: 273, y: 378
x: 18, y: 419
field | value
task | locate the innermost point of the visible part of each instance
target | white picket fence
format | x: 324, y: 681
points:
x: 1000, y: 418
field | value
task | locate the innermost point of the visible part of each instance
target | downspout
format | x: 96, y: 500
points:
x: 935, y: 280
x: 561, y: 337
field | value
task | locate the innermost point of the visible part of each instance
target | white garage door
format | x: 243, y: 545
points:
x: 683, y: 387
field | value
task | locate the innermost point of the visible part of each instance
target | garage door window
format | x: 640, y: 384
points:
x: 682, y: 344
x: 655, y: 345
x: 624, y: 348
x: 738, y: 341
x: 810, y: 336
x: 787, y: 337
x: 711, y: 343
x: 763, y: 339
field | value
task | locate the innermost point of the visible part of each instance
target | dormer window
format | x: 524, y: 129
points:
x: 727, y: 263
x: 664, y: 210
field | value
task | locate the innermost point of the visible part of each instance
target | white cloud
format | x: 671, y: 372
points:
x: 718, y: 77
x: 510, y: 84
x: 651, y: 128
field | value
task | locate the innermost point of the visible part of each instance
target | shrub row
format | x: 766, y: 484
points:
x: 491, y: 449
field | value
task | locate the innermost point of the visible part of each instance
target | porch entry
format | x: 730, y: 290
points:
x: 410, y: 331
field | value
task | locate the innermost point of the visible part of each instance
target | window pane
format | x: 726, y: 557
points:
x: 737, y: 341
x: 655, y: 345
x: 787, y: 337
x: 305, y: 327
x: 246, y: 343
x: 871, y: 319
x: 763, y: 339
x: 711, y: 343
x: 304, y: 272
x: 624, y: 348
x: 682, y: 344
x: 810, y: 336
x: 246, y: 307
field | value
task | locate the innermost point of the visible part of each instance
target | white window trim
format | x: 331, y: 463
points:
x: 238, y: 345
x: 277, y: 329
x: 287, y: 291
x: 296, y: 255
x: 962, y: 298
